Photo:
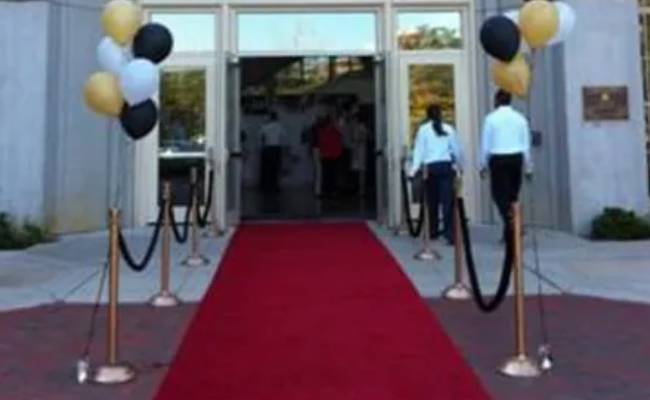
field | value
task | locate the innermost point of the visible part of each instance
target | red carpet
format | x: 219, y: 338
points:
x: 315, y: 311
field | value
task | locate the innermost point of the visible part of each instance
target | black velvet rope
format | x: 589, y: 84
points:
x: 415, y: 228
x: 182, y: 237
x: 202, y: 217
x: 506, y: 272
x: 128, y: 256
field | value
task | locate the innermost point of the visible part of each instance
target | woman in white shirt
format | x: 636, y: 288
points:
x: 438, y: 151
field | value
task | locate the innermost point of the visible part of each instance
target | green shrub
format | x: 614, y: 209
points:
x: 619, y: 224
x: 14, y: 236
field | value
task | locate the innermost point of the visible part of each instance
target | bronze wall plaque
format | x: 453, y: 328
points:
x: 603, y: 103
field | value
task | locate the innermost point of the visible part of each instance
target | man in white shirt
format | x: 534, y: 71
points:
x: 505, y: 150
x: 438, y: 151
x: 273, y: 137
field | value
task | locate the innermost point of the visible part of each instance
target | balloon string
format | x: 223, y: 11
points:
x: 114, y: 158
x: 121, y: 158
x: 531, y: 196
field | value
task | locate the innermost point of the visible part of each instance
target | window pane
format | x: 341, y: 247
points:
x: 192, y: 32
x: 439, y: 30
x: 296, y: 32
x: 181, y: 144
x: 430, y: 84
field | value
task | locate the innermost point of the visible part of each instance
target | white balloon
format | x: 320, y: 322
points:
x: 111, y: 56
x: 567, y: 21
x: 139, y: 81
x: 513, y: 15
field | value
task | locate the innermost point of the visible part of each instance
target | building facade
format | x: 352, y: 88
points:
x: 63, y: 165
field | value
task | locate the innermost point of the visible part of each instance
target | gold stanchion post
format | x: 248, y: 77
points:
x: 195, y: 259
x: 520, y: 365
x: 459, y: 289
x: 113, y: 372
x: 165, y: 298
x: 428, y: 253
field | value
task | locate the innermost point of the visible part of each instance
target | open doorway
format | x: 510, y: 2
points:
x: 307, y: 131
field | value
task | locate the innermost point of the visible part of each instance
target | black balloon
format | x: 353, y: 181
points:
x: 153, y: 42
x: 501, y: 38
x: 140, y: 119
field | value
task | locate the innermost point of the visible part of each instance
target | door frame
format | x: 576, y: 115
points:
x: 231, y: 143
x: 232, y: 147
x: 463, y: 111
x: 231, y: 61
x: 147, y: 171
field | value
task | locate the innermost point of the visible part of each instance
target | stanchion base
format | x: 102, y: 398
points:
x: 427, y: 255
x: 196, y: 261
x: 399, y: 231
x: 164, y: 299
x: 520, y: 367
x: 212, y: 233
x: 457, y: 291
x: 113, y: 374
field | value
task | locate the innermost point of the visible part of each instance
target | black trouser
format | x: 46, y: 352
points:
x: 270, y: 167
x: 505, y: 182
x: 330, y: 169
x: 440, y: 193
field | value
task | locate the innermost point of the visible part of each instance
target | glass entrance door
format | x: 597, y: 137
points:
x: 182, y: 140
x: 234, y: 154
x: 185, y: 133
x: 381, y: 142
x: 439, y: 78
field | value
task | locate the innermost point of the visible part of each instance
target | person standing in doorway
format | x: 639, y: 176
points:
x: 330, y: 148
x: 311, y: 140
x: 438, y: 150
x: 346, y: 123
x: 315, y: 153
x: 505, y: 151
x: 360, y: 137
x: 273, y: 136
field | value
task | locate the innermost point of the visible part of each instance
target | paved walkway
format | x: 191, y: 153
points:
x: 68, y: 270
x: 599, y: 345
x: 569, y: 264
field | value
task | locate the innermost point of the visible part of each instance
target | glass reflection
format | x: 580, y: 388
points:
x: 429, y: 31
x: 182, y: 136
x: 192, y: 32
x: 295, y: 32
x: 429, y: 84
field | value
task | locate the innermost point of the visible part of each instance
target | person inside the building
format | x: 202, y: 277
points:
x: 346, y: 121
x: 273, y: 136
x: 310, y: 139
x: 505, y: 152
x: 360, y: 135
x: 437, y: 152
x: 330, y: 149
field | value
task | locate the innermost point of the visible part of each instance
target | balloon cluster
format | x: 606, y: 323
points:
x: 539, y: 23
x: 130, y: 78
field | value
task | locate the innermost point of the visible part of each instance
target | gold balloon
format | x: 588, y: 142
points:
x: 513, y: 77
x: 103, y: 95
x: 121, y: 20
x: 538, y: 22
